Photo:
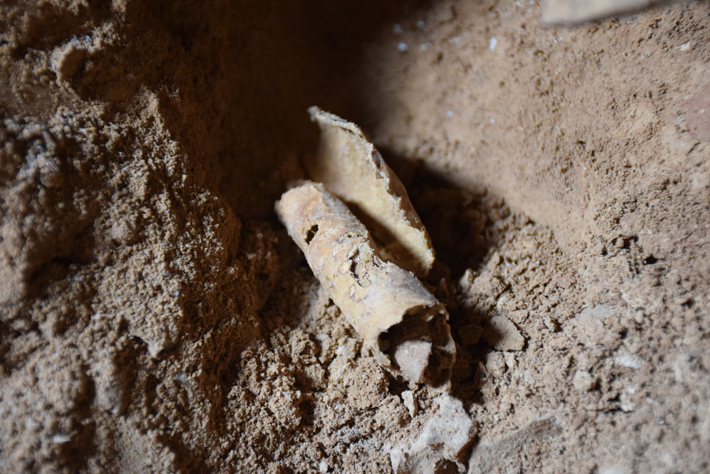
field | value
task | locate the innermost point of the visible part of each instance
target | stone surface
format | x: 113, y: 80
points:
x: 444, y: 437
x: 502, y: 334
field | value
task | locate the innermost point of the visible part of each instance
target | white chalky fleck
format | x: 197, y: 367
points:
x: 493, y: 44
x: 61, y: 438
x: 630, y: 361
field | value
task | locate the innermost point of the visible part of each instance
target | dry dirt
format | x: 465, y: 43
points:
x: 155, y: 316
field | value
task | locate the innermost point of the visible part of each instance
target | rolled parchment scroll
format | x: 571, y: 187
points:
x: 398, y: 318
x: 350, y: 166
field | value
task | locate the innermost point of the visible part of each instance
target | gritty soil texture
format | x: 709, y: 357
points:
x: 156, y: 317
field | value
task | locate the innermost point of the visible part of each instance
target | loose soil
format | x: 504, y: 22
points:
x: 156, y: 317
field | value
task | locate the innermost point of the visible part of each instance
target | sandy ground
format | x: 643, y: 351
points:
x: 155, y: 316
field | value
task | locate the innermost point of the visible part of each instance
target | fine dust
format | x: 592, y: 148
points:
x: 156, y: 317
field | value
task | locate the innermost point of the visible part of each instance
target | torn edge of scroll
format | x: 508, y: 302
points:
x: 351, y: 168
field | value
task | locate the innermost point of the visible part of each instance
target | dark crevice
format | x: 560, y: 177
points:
x: 310, y: 235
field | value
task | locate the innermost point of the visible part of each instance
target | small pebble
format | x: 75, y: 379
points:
x: 583, y: 381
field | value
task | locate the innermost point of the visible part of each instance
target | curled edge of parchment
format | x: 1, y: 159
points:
x: 351, y: 168
x: 398, y: 318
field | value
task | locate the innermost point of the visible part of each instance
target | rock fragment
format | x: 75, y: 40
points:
x: 504, y: 455
x: 583, y: 381
x: 443, y: 441
x: 495, y: 364
x: 410, y: 402
x: 574, y: 12
x: 502, y: 334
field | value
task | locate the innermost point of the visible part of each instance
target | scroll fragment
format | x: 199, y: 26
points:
x: 352, y: 169
x: 402, y: 323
